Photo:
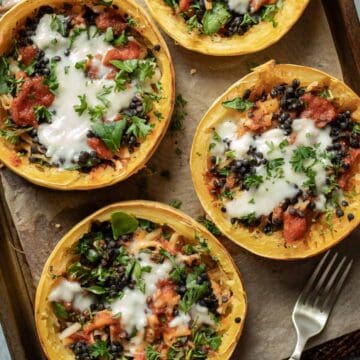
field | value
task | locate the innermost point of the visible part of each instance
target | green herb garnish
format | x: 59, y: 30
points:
x: 123, y: 223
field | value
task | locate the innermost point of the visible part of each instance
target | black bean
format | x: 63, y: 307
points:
x: 339, y: 212
x: 300, y: 214
x: 246, y: 94
x: 273, y: 93
x: 289, y: 91
x: 157, y: 47
x: 344, y: 203
x: 295, y: 83
x: 350, y: 216
x: 238, y: 320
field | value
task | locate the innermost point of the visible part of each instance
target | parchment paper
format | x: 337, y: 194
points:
x: 42, y: 216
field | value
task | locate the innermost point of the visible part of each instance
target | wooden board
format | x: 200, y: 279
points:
x: 272, y: 287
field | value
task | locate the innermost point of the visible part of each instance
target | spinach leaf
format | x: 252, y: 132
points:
x: 96, y: 289
x: 59, y: 310
x: 110, y: 133
x: 238, y: 103
x: 215, y: 18
x: 4, y: 71
x: 123, y: 223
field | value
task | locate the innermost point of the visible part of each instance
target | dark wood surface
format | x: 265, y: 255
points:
x: 346, y: 347
x: 345, y: 29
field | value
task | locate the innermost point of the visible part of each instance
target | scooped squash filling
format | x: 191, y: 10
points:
x: 78, y: 84
x: 226, y: 18
x: 138, y: 290
x: 284, y: 159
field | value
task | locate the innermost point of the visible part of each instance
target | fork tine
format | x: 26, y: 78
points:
x: 333, y: 295
x: 312, y: 279
x: 334, y: 275
x: 317, y: 293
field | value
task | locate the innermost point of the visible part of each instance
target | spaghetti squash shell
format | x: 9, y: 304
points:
x: 320, y: 237
x: 257, y: 38
x: 63, y: 255
x: 101, y: 176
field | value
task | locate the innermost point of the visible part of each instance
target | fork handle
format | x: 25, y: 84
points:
x: 301, y: 342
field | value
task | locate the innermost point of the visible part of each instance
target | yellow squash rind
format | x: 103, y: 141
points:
x: 101, y: 177
x: 320, y: 236
x: 62, y: 255
x: 255, y: 39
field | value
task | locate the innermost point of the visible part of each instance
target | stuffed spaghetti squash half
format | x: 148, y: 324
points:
x: 226, y: 27
x: 275, y: 161
x: 86, y: 91
x: 139, y: 280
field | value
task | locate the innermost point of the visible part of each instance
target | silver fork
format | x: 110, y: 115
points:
x: 318, y: 298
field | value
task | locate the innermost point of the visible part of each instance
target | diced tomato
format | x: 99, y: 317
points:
x: 111, y: 19
x: 262, y: 116
x: 101, y: 319
x: 33, y: 93
x: 255, y: 5
x: 100, y: 148
x: 165, y: 298
x: 140, y: 355
x: 294, y: 227
x: 184, y: 5
x: 27, y: 54
x: 80, y: 336
x: 93, y: 66
x: 350, y: 160
x: 78, y: 20
x: 130, y: 51
x: 319, y: 109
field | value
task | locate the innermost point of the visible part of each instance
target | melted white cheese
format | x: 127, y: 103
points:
x: 65, y: 137
x: 272, y: 192
x: 181, y: 320
x: 133, y: 305
x: 241, y: 146
x: 201, y: 315
x: 239, y: 6
x: 133, y: 308
x: 71, y: 291
x: 158, y: 272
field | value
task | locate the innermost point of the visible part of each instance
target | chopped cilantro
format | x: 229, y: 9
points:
x: 100, y: 350
x: 253, y: 180
x: 82, y: 107
x: 97, y: 112
x: 58, y: 24
x: 152, y: 354
x: 110, y: 133
x: 109, y: 35
x: 209, y: 225
x: 138, y: 127
x: 175, y: 203
x: 179, y: 114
